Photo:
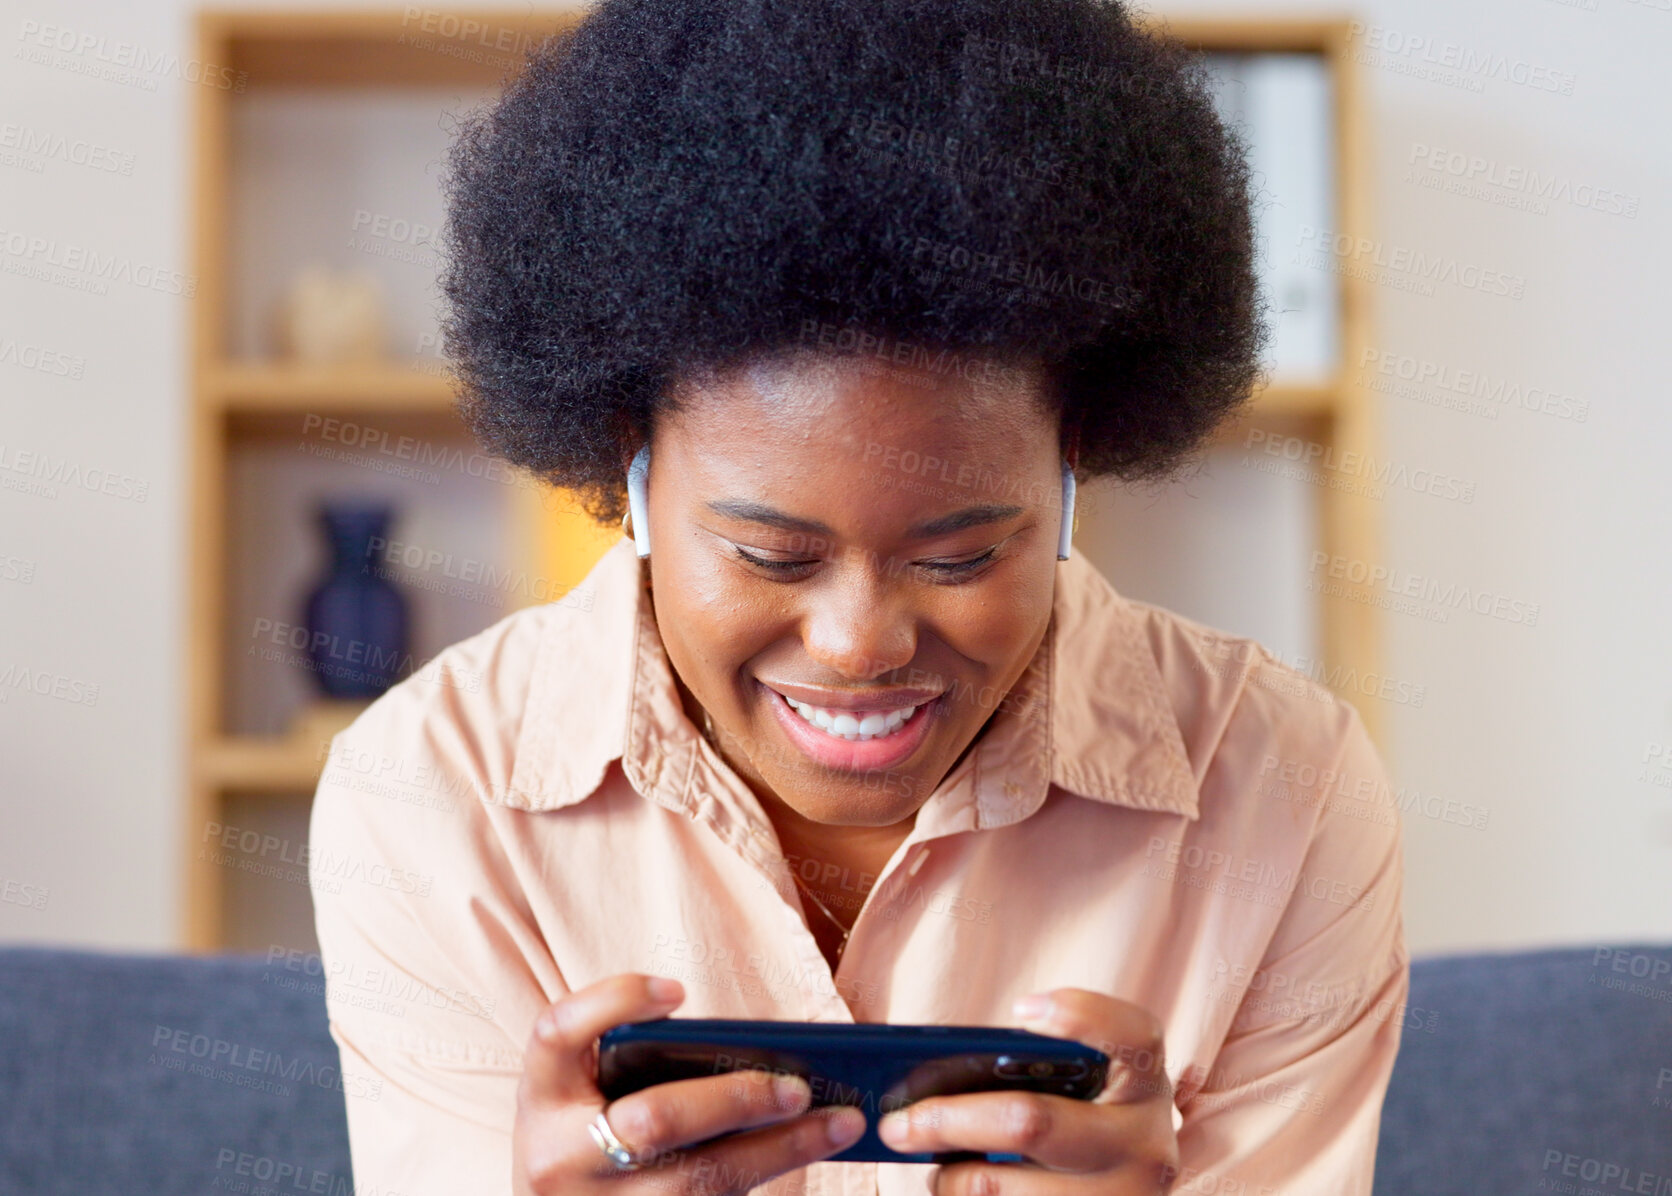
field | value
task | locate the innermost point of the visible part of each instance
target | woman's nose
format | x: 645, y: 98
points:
x: 861, y: 627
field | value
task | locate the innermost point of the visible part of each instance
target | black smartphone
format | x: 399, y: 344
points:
x: 876, y: 1067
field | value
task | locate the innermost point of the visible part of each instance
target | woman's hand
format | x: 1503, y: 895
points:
x: 1121, y: 1143
x: 554, y: 1155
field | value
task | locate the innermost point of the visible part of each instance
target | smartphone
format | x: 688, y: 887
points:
x: 875, y: 1067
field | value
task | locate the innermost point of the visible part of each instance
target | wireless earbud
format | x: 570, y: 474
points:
x: 638, y: 507
x: 1065, y: 537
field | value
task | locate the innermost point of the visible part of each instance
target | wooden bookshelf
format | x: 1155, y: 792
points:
x: 1339, y: 415
x: 242, y: 400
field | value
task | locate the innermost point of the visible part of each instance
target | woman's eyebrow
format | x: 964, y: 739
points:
x: 956, y: 521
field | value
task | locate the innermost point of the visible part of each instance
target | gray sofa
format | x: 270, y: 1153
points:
x: 1540, y: 1072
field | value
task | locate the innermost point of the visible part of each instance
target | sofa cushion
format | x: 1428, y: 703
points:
x: 138, y: 1074
x: 1548, y: 1071
x: 167, y: 1074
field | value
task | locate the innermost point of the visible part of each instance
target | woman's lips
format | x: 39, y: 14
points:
x: 853, y: 755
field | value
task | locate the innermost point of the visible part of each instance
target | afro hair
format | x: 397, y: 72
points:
x: 676, y: 187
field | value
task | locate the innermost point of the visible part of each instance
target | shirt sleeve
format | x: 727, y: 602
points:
x: 422, y: 952
x: 1292, y: 1103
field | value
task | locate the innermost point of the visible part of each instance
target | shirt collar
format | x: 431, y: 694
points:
x: 1090, y: 714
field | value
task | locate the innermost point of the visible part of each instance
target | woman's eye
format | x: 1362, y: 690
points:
x: 953, y: 568
x: 775, y: 566
x: 944, y: 568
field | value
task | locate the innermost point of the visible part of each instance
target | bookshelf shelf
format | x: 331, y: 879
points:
x: 261, y: 764
x: 395, y: 387
x: 1316, y: 400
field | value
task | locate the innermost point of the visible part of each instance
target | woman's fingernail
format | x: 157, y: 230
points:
x: 1033, y: 1008
x: 664, y: 989
x: 844, y: 1126
x: 791, y: 1093
x: 892, y: 1129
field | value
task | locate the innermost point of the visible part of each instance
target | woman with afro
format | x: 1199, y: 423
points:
x: 833, y: 303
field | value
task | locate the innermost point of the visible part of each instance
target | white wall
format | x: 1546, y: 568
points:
x: 1548, y: 727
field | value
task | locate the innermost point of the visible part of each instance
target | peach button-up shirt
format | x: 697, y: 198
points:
x: 1158, y: 811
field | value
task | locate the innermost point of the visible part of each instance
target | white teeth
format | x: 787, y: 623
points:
x: 843, y: 725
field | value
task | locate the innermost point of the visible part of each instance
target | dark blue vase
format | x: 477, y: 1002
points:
x: 356, y: 619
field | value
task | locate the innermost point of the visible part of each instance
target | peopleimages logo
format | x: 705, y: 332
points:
x: 27, y: 144
x: 42, y: 473
x: 41, y: 360
x: 1365, y: 253
x: 1382, y: 46
x: 1540, y: 187
x: 120, y: 61
x: 1377, y: 473
x: 246, y: 1066
x: 1444, y: 596
x: 1493, y: 392
x: 35, y: 256
x: 1603, y: 1175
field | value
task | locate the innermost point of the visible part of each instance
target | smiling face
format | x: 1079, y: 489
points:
x: 850, y: 567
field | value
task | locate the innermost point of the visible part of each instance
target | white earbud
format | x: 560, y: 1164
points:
x: 1065, y: 537
x: 638, y: 507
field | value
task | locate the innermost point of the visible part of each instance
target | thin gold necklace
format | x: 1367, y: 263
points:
x: 708, y: 732
x: 824, y: 909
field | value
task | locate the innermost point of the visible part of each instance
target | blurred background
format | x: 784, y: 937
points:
x: 226, y: 436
